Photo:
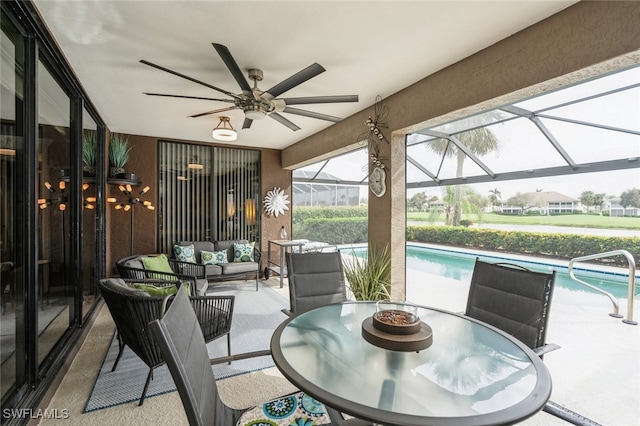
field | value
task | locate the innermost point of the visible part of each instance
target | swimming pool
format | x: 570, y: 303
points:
x: 458, y: 265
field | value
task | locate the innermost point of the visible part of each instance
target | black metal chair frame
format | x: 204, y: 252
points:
x: 315, y: 279
x: 132, y: 315
x: 176, y: 333
x: 517, y: 301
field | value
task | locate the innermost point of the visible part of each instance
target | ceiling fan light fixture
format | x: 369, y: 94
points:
x: 254, y: 112
x: 224, y: 131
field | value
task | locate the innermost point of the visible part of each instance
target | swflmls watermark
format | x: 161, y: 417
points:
x: 29, y: 413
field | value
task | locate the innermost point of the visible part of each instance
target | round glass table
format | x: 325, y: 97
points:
x: 472, y: 374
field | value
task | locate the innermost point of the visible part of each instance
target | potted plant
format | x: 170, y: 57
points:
x: 118, y: 154
x: 369, y: 278
x: 89, y: 153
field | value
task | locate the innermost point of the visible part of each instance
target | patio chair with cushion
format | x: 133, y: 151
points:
x: 182, y: 345
x: 133, y: 304
x: 161, y: 267
x: 517, y: 301
x: 315, y: 279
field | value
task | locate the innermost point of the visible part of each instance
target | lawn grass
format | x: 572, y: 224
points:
x: 575, y: 220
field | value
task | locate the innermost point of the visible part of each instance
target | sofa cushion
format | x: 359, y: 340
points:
x: 185, y: 253
x: 228, y: 245
x: 158, y: 263
x: 213, y: 270
x: 201, y: 286
x: 135, y: 263
x: 214, y: 257
x: 198, y: 246
x: 239, y: 268
x: 154, y: 291
x: 243, y: 252
x: 119, y: 285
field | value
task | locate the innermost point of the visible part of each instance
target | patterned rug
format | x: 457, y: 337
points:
x: 255, y: 316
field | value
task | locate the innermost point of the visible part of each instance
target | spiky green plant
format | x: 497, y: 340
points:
x: 118, y: 151
x: 89, y: 148
x: 369, y: 278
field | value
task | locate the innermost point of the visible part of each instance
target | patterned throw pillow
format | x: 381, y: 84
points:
x: 213, y: 257
x: 295, y: 409
x: 243, y: 252
x: 185, y: 253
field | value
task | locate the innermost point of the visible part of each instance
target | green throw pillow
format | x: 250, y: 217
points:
x: 243, y: 252
x: 157, y: 263
x: 157, y: 291
x: 214, y: 257
x: 162, y: 291
x: 185, y: 253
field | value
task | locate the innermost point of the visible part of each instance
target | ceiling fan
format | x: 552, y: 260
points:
x: 256, y: 103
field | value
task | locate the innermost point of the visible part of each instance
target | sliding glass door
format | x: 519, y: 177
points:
x: 12, y: 344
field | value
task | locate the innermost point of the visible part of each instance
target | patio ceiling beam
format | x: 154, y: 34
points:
x: 602, y: 166
x: 547, y: 134
x: 462, y: 147
x: 422, y: 168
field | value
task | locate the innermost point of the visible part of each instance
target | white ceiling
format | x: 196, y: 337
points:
x: 368, y: 48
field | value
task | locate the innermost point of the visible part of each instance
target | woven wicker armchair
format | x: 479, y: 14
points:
x: 132, y: 267
x: 132, y: 310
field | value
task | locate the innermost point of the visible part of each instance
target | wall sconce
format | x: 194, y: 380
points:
x: 231, y: 205
x: 224, y: 131
x: 250, y: 211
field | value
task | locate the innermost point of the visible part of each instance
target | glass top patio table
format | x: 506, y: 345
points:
x: 472, y: 374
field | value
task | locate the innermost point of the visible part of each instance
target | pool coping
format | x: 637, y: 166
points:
x: 592, y: 270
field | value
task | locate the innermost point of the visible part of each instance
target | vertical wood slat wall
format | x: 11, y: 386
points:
x: 237, y: 185
x: 215, y: 201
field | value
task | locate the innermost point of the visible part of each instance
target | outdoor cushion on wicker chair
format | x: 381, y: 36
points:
x: 132, y: 309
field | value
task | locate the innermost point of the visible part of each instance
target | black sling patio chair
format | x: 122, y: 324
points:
x: 183, y: 347
x: 517, y: 301
x: 132, y: 310
x: 315, y: 279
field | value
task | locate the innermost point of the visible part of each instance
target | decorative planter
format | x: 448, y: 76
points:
x: 116, y: 172
x: 88, y: 170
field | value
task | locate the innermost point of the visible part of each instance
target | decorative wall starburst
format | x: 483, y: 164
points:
x: 275, y: 202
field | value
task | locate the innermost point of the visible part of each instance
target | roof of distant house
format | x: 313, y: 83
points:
x: 550, y: 197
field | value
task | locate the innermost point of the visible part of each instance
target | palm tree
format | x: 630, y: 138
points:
x: 480, y: 141
x: 495, y: 197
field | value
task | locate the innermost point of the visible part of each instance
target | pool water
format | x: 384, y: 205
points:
x: 459, y: 266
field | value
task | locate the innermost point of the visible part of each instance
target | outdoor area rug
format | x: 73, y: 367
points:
x: 256, y: 315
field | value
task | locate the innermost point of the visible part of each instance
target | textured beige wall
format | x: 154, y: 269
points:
x: 585, y: 40
x: 273, y: 176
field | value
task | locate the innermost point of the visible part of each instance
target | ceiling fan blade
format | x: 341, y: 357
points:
x: 291, y: 82
x: 215, y: 111
x: 312, y: 114
x: 321, y: 99
x: 188, y: 97
x: 233, y: 67
x: 280, y: 119
x: 233, y: 95
x: 247, y: 123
